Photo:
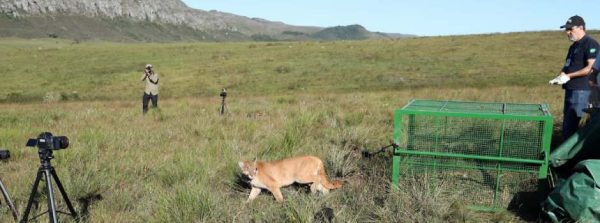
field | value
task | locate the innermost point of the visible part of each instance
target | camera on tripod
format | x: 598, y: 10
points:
x: 47, y: 141
x: 223, y: 94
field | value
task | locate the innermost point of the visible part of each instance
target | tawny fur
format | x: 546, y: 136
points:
x: 276, y: 174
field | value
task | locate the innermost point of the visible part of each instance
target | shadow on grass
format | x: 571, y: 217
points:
x: 242, y: 184
x: 324, y: 215
x: 556, y: 136
x: 85, y: 202
x: 526, y: 205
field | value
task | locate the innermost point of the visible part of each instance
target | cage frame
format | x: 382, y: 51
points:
x: 545, y: 118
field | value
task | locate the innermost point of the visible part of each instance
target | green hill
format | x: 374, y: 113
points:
x: 351, y: 32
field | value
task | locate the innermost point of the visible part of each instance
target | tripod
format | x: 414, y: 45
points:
x: 9, y: 202
x: 223, y: 95
x: 47, y: 170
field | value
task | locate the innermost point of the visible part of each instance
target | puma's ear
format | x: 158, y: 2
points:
x: 254, y: 165
x: 241, y: 164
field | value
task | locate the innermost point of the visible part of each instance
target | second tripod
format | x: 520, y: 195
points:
x: 5, y: 154
x: 9, y: 202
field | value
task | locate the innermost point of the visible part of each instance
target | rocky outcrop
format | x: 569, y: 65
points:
x: 148, y: 20
x: 172, y: 12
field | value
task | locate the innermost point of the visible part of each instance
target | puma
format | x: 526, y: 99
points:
x: 276, y: 174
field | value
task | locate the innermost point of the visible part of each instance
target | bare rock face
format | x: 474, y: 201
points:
x: 159, y: 11
x: 150, y: 20
x: 136, y: 9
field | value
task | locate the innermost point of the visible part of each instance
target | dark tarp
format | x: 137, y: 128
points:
x: 584, y: 144
x: 577, y: 197
x: 576, y: 165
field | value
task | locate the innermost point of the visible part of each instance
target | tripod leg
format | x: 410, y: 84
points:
x: 64, y: 194
x: 11, y: 206
x: 51, y: 203
x: 31, y: 196
x: 223, y: 106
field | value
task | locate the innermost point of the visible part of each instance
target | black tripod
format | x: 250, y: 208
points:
x: 223, y: 95
x: 47, y: 170
x: 9, y: 202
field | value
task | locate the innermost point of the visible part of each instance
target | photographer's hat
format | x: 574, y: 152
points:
x: 573, y: 21
x: 148, y: 65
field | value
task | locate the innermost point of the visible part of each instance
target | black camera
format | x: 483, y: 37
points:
x: 4, y: 154
x: 47, y: 141
x: 223, y: 93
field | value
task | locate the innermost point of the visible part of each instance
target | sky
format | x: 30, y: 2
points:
x: 417, y: 17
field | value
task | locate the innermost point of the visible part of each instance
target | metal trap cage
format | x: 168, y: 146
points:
x: 486, y: 152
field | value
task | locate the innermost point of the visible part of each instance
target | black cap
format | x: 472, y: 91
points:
x: 573, y: 21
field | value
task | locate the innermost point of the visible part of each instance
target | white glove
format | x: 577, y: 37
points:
x: 560, y: 80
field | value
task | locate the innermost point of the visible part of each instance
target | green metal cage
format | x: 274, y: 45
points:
x: 484, y: 152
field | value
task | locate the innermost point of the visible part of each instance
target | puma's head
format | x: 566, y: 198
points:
x: 248, y: 168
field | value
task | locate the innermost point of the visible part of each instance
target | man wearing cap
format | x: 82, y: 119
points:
x: 151, y: 89
x: 574, y: 74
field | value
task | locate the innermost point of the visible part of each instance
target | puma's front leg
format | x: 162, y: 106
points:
x: 253, y: 193
x: 277, y: 193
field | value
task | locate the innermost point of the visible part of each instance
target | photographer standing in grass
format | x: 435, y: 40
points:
x: 574, y: 74
x: 151, y: 89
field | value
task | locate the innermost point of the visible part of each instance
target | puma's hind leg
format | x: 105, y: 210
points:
x: 314, y: 188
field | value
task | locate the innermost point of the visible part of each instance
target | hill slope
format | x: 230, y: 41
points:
x: 356, y: 32
x: 109, y: 71
x: 135, y: 20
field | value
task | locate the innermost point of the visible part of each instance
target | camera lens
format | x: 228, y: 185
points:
x: 60, y: 142
x: 4, y: 154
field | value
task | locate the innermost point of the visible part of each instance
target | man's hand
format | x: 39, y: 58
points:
x: 560, y: 80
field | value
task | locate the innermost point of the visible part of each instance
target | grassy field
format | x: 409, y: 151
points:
x: 329, y: 99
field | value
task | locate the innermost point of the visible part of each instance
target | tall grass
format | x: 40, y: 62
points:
x: 178, y: 163
x: 62, y: 70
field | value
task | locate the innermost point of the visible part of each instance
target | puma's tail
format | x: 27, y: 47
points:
x: 335, y: 184
x: 329, y: 185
